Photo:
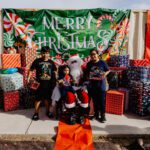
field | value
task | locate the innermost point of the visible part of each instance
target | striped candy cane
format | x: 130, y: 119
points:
x: 108, y: 17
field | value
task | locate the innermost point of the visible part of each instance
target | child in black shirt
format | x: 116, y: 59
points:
x: 46, y: 76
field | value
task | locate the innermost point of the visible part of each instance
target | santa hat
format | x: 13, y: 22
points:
x: 75, y: 57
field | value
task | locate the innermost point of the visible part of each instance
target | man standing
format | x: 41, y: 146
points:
x: 46, y: 76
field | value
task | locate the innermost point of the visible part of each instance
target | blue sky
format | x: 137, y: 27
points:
x: 76, y: 4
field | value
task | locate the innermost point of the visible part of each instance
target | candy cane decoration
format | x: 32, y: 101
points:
x: 101, y: 18
x: 11, y: 23
x: 29, y: 29
x: 24, y: 30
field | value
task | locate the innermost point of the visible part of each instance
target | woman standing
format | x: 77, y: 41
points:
x: 97, y: 70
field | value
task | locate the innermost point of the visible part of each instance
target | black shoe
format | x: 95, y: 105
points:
x: 103, y: 118
x: 81, y: 120
x: 50, y: 115
x: 35, y: 117
x: 97, y: 117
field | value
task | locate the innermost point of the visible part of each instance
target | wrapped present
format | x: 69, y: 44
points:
x: 11, y: 82
x: 119, y: 61
x: 146, y: 97
x: 139, y: 97
x: 126, y: 98
x: 138, y: 62
x: 28, y: 57
x: 11, y: 100
x: 1, y: 98
x: 117, y: 77
x: 113, y: 80
x: 27, y: 98
x: 24, y: 71
x: 115, y: 102
x: 135, y: 96
x: 11, y: 60
x: 139, y: 73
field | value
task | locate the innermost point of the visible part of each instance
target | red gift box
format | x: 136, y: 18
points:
x: 28, y: 57
x: 11, y: 60
x: 11, y: 100
x: 34, y: 85
x: 1, y: 98
x: 118, y: 68
x: 115, y: 102
x: 24, y: 71
x: 138, y: 62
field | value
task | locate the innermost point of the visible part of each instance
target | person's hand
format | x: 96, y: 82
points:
x: 103, y: 76
x: 60, y: 81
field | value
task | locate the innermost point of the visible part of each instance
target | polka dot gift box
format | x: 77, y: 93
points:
x: 11, y: 82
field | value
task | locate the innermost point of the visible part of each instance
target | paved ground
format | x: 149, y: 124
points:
x: 19, y: 122
x: 19, y: 132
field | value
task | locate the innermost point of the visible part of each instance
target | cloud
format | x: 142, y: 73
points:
x: 76, y: 4
x: 141, y: 6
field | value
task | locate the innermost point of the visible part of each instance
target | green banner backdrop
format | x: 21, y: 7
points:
x: 69, y: 31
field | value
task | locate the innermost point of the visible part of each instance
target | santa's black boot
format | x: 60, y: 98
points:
x: 83, y: 112
x: 72, y: 117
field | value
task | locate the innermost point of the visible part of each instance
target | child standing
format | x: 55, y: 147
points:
x: 46, y: 77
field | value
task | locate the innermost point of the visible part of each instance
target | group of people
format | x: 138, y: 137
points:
x: 72, y: 84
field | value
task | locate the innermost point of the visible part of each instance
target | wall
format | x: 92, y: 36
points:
x: 137, y: 30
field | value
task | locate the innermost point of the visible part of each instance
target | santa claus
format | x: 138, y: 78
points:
x: 80, y: 97
x: 75, y: 64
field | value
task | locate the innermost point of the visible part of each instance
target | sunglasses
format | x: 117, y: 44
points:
x: 74, y: 62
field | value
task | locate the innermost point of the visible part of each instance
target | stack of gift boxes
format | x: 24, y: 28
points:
x: 27, y: 96
x: 13, y: 86
x: 139, y: 85
x: 117, y: 96
x: 134, y: 77
x: 119, y: 61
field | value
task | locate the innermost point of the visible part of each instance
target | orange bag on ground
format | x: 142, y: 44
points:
x: 74, y: 137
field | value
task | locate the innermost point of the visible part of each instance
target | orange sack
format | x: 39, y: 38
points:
x: 74, y: 137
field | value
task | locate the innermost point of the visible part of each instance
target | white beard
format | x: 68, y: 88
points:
x: 76, y: 72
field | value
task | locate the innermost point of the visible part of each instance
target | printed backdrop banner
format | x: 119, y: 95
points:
x: 69, y: 31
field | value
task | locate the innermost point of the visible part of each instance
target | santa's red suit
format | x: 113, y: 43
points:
x: 75, y: 63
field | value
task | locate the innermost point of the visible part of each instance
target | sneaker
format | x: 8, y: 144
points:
x: 35, y: 117
x: 50, y: 115
x: 97, y: 117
